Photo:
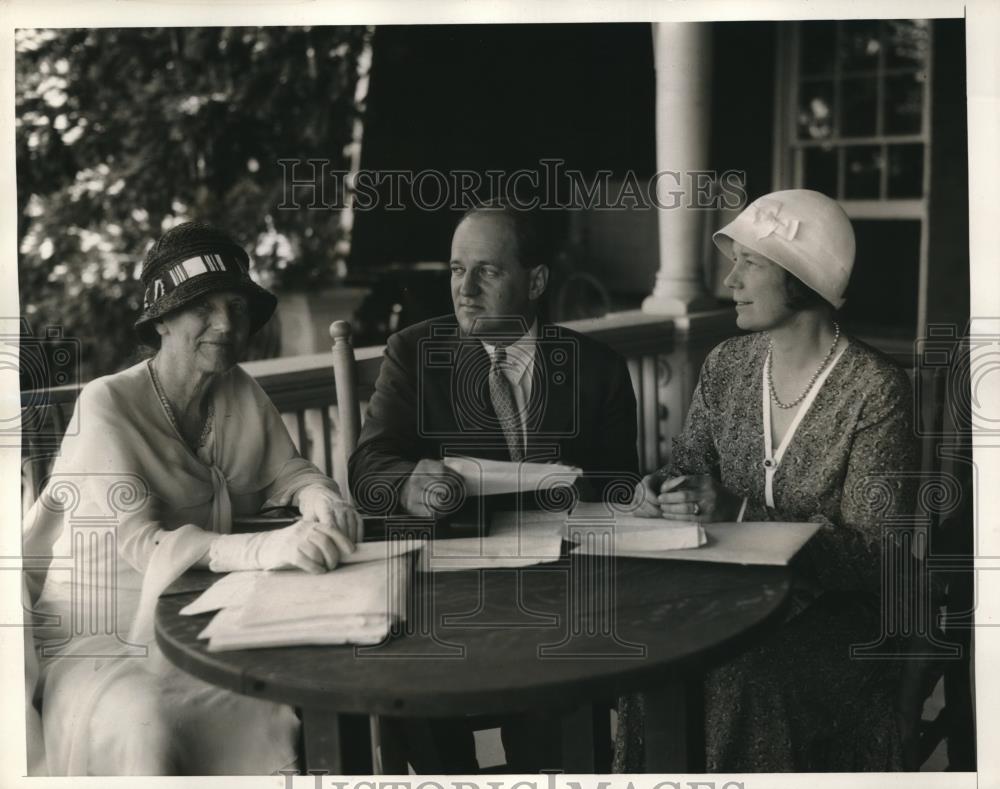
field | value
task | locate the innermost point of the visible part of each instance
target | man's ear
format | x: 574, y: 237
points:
x: 538, y: 279
x: 161, y: 328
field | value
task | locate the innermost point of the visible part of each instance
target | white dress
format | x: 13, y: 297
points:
x: 128, y: 508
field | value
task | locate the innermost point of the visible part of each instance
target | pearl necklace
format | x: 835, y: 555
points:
x: 209, y: 417
x: 815, y: 375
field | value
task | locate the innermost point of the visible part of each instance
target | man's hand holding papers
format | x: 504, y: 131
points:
x: 493, y: 477
x: 432, y: 489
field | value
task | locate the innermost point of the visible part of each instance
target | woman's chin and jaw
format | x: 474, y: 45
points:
x: 217, y: 357
x: 748, y: 317
x: 744, y: 316
x: 201, y: 357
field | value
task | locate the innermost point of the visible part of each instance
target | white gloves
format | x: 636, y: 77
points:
x: 328, y: 529
x: 307, y: 545
x: 319, y: 503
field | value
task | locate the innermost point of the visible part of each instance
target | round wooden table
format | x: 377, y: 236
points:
x: 555, y: 636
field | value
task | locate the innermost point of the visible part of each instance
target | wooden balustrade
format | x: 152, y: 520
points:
x: 663, y: 354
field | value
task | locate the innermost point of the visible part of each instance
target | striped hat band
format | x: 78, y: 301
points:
x: 188, y: 269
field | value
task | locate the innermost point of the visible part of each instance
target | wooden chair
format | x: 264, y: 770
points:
x: 345, y: 380
x: 943, y: 441
x: 362, y: 731
x: 953, y: 547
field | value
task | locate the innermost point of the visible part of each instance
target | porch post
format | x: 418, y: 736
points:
x: 683, y: 57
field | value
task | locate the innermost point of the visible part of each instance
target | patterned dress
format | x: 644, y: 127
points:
x: 796, y: 700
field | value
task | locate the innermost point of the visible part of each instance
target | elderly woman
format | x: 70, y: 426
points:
x: 795, y: 422
x: 167, y: 452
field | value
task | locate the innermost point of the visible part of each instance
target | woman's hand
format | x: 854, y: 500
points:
x: 307, y: 544
x: 644, y: 503
x: 319, y: 503
x: 697, y: 497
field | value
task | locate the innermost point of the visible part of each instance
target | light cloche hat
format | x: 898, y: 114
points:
x: 805, y: 232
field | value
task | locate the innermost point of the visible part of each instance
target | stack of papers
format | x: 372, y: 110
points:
x: 603, y: 530
x: 767, y: 542
x: 492, y: 477
x: 496, y: 550
x: 599, y: 529
x: 357, y: 603
x: 629, y: 534
x: 528, y: 522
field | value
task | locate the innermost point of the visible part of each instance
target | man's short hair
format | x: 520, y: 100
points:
x: 532, y: 248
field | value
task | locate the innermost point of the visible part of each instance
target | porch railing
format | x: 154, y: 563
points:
x: 663, y: 355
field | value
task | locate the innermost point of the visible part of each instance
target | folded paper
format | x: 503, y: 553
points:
x: 492, y: 477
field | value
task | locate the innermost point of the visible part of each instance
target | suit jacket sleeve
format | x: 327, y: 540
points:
x: 389, y: 446
x: 615, y: 467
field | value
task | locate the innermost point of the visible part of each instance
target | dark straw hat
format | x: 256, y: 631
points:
x: 187, y: 262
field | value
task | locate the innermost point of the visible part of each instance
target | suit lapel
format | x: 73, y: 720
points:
x: 551, y: 409
x: 478, y: 425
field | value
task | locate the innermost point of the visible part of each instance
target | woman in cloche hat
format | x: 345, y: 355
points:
x: 172, y: 448
x: 795, y: 422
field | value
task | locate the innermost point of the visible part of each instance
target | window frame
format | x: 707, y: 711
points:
x: 787, y: 169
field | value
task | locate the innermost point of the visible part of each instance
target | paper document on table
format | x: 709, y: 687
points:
x: 595, y: 525
x: 353, y: 589
x: 353, y: 604
x: 356, y: 603
x: 532, y: 523
x: 505, y: 550
x: 743, y: 543
x: 491, y: 477
x: 235, y: 588
x: 231, y: 589
x: 226, y: 631
x: 629, y: 533
x: 380, y: 549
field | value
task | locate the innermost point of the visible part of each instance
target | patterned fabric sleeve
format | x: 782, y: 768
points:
x: 694, y: 450
x: 879, y: 487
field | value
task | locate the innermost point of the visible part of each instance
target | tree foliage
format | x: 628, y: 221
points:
x: 122, y: 133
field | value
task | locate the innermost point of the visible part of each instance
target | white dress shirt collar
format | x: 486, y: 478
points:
x: 520, y: 354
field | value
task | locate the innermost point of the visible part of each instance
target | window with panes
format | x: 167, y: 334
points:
x: 853, y: 122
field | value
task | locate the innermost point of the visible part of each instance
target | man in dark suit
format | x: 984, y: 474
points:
x: 492, y: 381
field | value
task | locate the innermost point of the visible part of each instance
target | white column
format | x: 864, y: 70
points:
x: 683, y: 56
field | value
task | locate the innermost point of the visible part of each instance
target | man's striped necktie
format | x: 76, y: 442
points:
x: 504, y: 403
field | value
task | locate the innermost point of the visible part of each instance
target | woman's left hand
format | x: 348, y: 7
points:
x: 319, y: 503
x: 697, y: 497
